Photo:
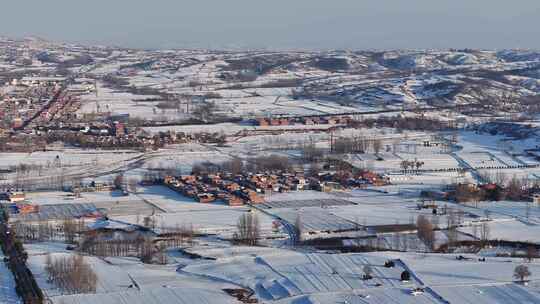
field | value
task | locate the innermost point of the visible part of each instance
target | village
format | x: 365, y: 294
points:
x: 227, y: 177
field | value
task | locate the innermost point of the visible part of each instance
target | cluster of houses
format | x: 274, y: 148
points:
x: 20, y: 103
x: 472, y: 192
x: 95, y: 128
x: 237, y: 190
x: 209, y: 188
x: 22, y: 99
x: 31, y: 81
x: 93, y: 186
x: 333, y: 120
x: 119, y: 135
x: 62, y: 110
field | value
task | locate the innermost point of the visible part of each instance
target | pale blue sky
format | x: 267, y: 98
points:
x: 359, y: 24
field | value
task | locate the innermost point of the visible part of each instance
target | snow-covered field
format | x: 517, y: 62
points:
x: 118, y: 102
x: 66, y: 157
x: 149, y: 283
x: 284, y: 276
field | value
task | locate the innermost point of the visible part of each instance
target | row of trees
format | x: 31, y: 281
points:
x: 71, y: 274
x: 515, y: 189
x: 404, y: 123
x: 411, y: 164
x: 15, y: 258
x: 102, y: 248
x: 426, y: 231
x: 82, y: 140
x: 269, y: 163
x: 148, y: 248
x: 237, y: 166
x: 311, y: 153
x: 248, y: 229
x: 355, y: 144
x: 67, y: 231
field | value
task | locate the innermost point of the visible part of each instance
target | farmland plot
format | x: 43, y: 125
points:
x: 299, y: 196
x: 371, y: 296
x: 314, y: 219
x: 481, y: 160
x: 110, y: 277
x: 307, y: 203
x: 506, y: 159
x: 510, y: 230
x: 285, y: 274
x: 152, y: 296
x: 487, y: 294
x: 444, y: 270
x: 127, y: 280
x: 526, y: 212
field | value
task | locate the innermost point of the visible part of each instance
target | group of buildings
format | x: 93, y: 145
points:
x: 16, y: 202
x: 237, y: 190
x: 210, y: 188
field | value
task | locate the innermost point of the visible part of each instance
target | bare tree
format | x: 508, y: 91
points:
x: 532, y: 253
x: 132, y: 185
x: 404, y: 165
x: 521, y: 272
x: 71, y: 274
x: 205, y: 111
x: 396, y: 241
x: 425, y: 231
x: 527, y: 211
x: 475, y: 231
x: 500, y: 178
x: 377, y: 146
x: 146, y: 250
x: 70, y: 230
x: 405, y: 242
x: 298, y: 230
x: 484, y: 233
x: 418, y: 164
x: 237, y: 166
x: 451, y: 224
x: 118, y: 181
x: 248, y: 229
x: 161, y: 254
x: 514, y: 189
x: 311, y: 153
x: 314, y: 170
